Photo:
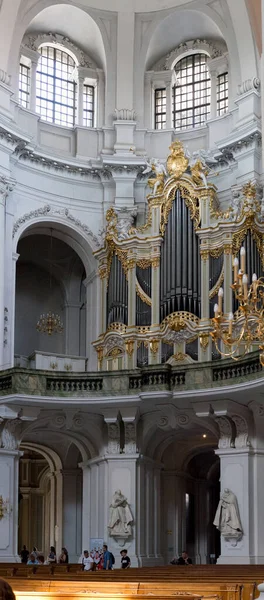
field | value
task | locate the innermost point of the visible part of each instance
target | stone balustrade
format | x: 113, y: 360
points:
x: 210, y: 375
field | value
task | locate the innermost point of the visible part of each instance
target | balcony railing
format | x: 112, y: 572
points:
x: 210, y: 375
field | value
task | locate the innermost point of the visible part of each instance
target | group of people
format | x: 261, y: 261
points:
x: 102, y: 559
x: 36, y: 558
x: 91, y: 561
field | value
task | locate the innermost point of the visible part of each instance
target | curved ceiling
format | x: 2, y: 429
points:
x: 73, y: 23
x: 180, y: 27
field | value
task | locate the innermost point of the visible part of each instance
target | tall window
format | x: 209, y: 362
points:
x: 192, y: 92
x: 24, y: 85
x: 55, y: 87
x: 160, y: 108
x: 222, y: 94
x: 88, y: 106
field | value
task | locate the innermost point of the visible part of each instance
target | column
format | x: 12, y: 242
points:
x: 33, y: 83
x: 6, y: 186
x: 213, y: 109
x: 124, y: 182
x: 102, y: 294
x: 86, y: 506
x: 72, y: 328
x: 131, y: 275
x: 155, y: 287
x: 201, y: 524
x: 71, y: 537
x: 228, y: 276
x: 236, y: 474
x: 80, y: 99
x: 92, y: 332
x: 3, y: 196
x: 9, y: 467
x: 169, y: 77
x: 148, y: 513
x: 15, y: 257
x: 148, y: 100
x: 9, y: 490
x: 52, y: 508
x: 125, y: 58
x: 99, y: 121
x: 59, y: 505
x: 24, y: 534
x: 205, y: 342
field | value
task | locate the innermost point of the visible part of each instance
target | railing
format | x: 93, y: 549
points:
x: 211, y: 375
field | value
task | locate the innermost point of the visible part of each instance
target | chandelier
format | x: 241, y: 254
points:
x: 234, y: 334
x: 50, y: 323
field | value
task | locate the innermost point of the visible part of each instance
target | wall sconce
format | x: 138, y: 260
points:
x: 5, y: 508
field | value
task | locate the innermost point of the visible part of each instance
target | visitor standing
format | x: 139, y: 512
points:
x: 24, y: 554
x: 125, y: 560
x: 108, y: 562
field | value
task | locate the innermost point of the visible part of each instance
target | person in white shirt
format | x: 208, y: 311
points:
x: 87, y: 561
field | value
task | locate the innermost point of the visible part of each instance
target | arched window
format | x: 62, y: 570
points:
x: 56, y: 92
x: 191, y: 95
x: 54, y: 87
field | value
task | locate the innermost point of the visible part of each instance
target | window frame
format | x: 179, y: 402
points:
x: 87, y: 111
x: 25, y: 103
x: 195, y: 88
x: 220, y: 111
x: 55, y: 80
x: 161, y: 113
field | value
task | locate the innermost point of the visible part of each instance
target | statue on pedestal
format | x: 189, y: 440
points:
x: 120, y: 518
x: 227, y: 518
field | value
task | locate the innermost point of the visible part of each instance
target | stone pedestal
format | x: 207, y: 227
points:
x: 139, y: 481
x: 237, y: 475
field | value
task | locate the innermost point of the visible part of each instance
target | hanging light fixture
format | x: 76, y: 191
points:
x: 50, y: 322
x: 234, y: 335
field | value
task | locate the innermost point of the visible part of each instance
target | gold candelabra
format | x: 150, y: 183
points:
x: 49, y: 323
x: 234, y: 334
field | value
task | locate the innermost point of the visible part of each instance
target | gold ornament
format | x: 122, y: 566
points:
x: 154, y: 346
x: 130, y: 346
x: 197, y: 170
x: 204, y: 340
x: 177, y: 163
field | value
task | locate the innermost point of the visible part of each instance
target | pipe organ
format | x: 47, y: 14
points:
x: 159, y: 282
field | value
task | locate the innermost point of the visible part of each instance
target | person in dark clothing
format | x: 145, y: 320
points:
x: 184, y: 559
x: 125, y: 560
x: 24, y: 554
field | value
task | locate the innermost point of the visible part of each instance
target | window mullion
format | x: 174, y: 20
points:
x: 54, y: 82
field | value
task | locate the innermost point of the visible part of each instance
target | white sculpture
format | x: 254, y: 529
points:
x: 236, y: 206
x: 155, y: 166
x: 125, y: 222
x: 120, y: 517
x: 227, y: 518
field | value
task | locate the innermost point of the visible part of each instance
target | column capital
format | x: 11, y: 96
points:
x: 7, y: 185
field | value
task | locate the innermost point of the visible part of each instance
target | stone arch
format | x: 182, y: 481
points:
x: 68, y: 229
x: 25, y: 17
x: 240, y: 69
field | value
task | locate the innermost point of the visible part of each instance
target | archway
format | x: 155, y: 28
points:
x: 190, y: 495
x: 54, y: 261
x: 40, y: 497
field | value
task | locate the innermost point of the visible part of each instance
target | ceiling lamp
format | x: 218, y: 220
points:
x: 50, y: 322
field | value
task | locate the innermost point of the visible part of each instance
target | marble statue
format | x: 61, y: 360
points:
x: 120, y: 517
x: 227, y: 518
x: 157, y: 182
